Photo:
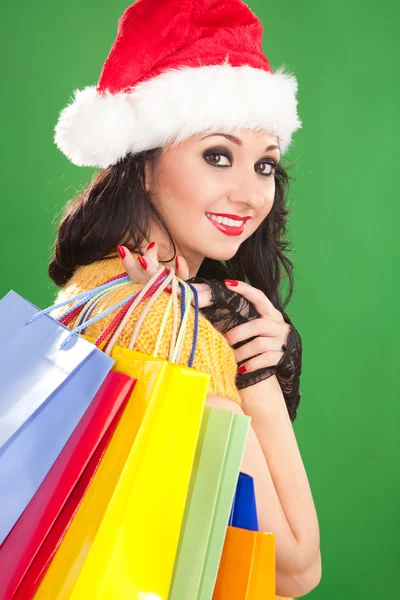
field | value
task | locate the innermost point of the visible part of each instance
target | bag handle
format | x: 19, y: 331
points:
x: 177, y: 337
x: 115, y: 327
x: 108, y: 311
x: 186, y: 299
x: 86, y: 301
x: 80, y: 313
x: 167, y: 281
x: 93, y: 303
x: 80, y: 299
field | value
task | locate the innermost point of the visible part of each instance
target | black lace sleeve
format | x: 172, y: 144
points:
x: 230, y: 309
x: 289, y: 369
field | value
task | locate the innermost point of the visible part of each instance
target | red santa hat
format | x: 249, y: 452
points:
x: 177, y: 68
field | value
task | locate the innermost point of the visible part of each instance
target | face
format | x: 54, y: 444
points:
x: 213, y: 191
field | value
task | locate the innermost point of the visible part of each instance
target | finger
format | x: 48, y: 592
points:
x: 261, y: 303
x: 203, y: 294
x: 257, y: 346
x: 182, y: 268
x: 131, y: 266
x: 267, y: 359
x: 258, y: 327
x: 151, y: 256
x: 149, y: 261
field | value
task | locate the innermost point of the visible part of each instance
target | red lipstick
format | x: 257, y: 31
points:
x: 229, y: 229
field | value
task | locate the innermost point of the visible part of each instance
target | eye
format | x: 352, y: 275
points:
x: 215, y: 156
x: 270, y: 165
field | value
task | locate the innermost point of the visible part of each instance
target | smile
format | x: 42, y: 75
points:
x: 229, y: 225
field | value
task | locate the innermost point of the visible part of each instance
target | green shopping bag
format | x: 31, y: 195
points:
x: 215, y: 473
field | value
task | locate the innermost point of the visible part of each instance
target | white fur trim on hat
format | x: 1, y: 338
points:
x: 100, y: 129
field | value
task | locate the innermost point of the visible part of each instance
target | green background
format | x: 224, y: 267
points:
x: 344, y: 227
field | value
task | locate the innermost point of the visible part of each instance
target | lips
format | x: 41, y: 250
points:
x: 226, y: 223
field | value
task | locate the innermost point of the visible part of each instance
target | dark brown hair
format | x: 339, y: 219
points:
x: 115, y: 207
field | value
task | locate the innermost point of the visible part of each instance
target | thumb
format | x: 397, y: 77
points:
x: 182, y: 268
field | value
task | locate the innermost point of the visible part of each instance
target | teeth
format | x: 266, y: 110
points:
x: 225, y: 221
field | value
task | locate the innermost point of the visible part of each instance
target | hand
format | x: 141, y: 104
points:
x: 226, y: 306
x: 268, y: 332
x: 143, y: 268
x: 260, y: 342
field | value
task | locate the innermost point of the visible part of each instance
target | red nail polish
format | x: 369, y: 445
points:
x: 151, y: 245
x: 142, y: 262
x: 168, y: 289
x: 242, y: 369
x: 121, y: 251
x: 176, y: 262
x: 231, y: 282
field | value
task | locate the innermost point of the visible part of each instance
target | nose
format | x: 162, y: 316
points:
x: 248, y: 189
x: 246, y: 197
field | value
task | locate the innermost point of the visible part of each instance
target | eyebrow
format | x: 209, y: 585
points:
x: 239, y: 142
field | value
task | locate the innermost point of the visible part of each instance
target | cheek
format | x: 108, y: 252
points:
x: 183, y: 188
x: 178, y: 185
x: 261, y: 215
x: 265, y: 209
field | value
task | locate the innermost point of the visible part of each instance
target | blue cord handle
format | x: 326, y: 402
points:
x: 84, y: 297
x: 95, y: 319
x: 196, y: 323
x: 81, y: 298
x: 106, y: 312
x: 88, y: 311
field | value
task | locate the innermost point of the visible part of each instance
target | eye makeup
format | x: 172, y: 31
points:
x: 222, y: 151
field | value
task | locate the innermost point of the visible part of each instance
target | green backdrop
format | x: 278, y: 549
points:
x: 344, y: 228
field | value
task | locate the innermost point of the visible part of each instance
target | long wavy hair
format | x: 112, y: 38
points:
x: 115, y: 207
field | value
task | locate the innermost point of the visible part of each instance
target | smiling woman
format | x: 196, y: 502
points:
x: 178, y: 197
x: 195, y: 181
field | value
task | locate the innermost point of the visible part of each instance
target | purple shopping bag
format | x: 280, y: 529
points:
x: 44, y: 391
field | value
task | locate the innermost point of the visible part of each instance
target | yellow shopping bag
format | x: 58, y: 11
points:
x: 123, y: 539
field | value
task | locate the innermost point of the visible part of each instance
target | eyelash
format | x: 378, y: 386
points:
x: 223, y: 152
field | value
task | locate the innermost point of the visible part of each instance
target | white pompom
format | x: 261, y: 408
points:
x: 95, y: 129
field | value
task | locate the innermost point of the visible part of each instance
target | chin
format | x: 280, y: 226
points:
x: 222, y: 253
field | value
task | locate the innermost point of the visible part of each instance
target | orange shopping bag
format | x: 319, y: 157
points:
x: 247, y: 567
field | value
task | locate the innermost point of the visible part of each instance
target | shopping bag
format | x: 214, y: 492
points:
x: 247, y: 567
x: 244, y: 509
x: 27, y: 550
x: 215, y: 472
x: 47, y: 385
x: 123, y: 539
x: 40, y: 563
x: 33, y: 362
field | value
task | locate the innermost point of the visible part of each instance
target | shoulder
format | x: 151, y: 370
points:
x: 213, y: 355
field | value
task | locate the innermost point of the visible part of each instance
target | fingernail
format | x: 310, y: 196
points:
x: 231, y: 282
x: 168, y: 289
x: 121, y: 251
x: 176, y: 262
x: 142, y: 262
x: 242, y: 369
x: 151, y: 245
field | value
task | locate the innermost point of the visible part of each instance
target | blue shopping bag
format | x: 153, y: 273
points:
x: 45, y: 389
x: 244, y: 508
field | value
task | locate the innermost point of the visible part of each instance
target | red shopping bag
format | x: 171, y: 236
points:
x: 31, y: 544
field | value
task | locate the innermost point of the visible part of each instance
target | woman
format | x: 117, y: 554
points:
x: 188, y: 124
